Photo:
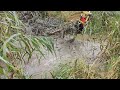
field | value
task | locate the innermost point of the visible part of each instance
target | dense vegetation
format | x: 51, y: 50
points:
x: 105, y: 27
x: 17, y: 47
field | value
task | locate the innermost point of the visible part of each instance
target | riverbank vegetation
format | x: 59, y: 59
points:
x: 17, y: 46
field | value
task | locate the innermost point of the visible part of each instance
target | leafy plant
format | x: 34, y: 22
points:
x: 17, y: 47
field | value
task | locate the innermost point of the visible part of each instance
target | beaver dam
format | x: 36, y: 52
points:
x: 82, y: 48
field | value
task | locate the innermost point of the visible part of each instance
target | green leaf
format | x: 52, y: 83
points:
x: 5, y: 61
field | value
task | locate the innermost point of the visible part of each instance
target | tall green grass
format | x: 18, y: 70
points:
x: 16, y: 47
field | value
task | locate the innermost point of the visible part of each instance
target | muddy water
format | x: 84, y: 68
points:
x: 66, y: 52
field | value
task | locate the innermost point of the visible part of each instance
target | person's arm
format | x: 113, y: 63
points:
x: 81, y: 22
x: 87, y: 18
